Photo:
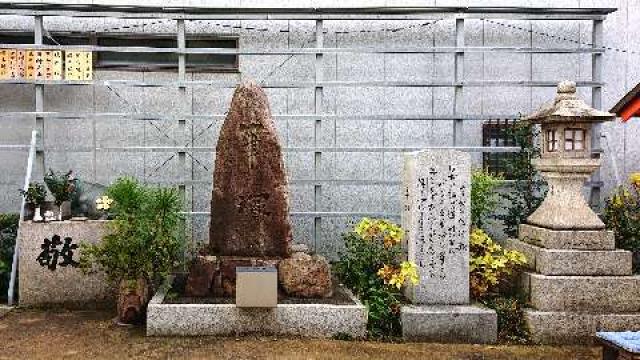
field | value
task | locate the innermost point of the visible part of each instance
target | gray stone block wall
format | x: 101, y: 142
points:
x: 70, y: 142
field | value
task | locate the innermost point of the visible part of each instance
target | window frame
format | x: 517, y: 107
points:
x: 573, y: 141
x: 494, y: 134
x: 92, y: 39
x: 552, y: 140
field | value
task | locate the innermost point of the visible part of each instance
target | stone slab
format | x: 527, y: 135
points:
x: 602, y: 294
x: 567, y: 239
x: 573, y: 262
x: 449, y: 324
x: 436, y: 217
x: 562, y: 328
x: 41, y: 284
x: 305, y: 320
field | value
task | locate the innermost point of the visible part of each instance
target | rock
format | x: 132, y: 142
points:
x: 201, y: 276
x: 307, y: 276
x: 133, y: 297
x: 249, y: 206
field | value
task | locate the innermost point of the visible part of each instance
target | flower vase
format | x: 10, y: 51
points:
x: 37, y: 217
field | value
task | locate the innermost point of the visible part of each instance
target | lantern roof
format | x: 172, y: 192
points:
x: 567, y: 107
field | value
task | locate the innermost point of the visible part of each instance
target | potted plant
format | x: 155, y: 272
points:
x: 142, y: 245
x: 61, y: 186
x: 34, y: 198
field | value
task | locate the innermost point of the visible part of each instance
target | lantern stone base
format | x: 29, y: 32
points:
x: 576, y: 292
x: 449, y: 324
x: 573, y: 262
x: 567, y: 239
x: 562, y: 328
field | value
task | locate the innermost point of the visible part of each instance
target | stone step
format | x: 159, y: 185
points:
x: 602, y: 294
x: 555, y: 327
x: 573, y: 262
x: 567, y: 239
x: 468, y: 324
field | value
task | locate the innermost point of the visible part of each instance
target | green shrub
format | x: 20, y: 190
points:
x: 145, y: 238
x: 35, y: 194
x: 512, y: 327
x: 8, y: 234
x: 371, y: 266
x: 529, y: 188
x: 622, y: 215
x: 483, y: 197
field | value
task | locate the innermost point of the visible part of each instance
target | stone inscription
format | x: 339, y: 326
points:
x: 436, y: 218
x: 51, y: 256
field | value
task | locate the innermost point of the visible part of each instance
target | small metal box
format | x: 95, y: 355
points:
x: 256, y: 286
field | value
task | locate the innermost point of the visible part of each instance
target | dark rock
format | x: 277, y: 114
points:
x: 249, y: 206
x: 201, y: 275
x: 307, y: 276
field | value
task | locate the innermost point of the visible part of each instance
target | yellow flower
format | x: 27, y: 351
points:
x: 104, y: 203
x: 409, y: 270
x: 634, y: 179
x: 386, y: 272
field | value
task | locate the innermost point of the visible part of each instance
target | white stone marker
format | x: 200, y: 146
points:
x: 436, y: 218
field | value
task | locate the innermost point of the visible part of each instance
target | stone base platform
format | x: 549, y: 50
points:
x: 305, y: 320
x: 449, y: 324
x: 551, y: 327
x: 567, y: 239
x: 573, y: 262
x: 602, y: 294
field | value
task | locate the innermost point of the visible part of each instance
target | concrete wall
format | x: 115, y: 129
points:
x: 69, y: 143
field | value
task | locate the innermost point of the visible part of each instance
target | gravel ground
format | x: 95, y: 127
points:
x: 49, y: 334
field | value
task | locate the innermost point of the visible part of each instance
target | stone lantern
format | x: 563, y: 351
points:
x: 566, y: 161
x: 577, y: 282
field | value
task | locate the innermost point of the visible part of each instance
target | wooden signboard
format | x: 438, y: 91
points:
x: 44, y: 65
x: 11, y: 64
x: 78, y: 65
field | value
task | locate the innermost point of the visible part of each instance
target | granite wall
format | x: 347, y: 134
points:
x: 70, y: 143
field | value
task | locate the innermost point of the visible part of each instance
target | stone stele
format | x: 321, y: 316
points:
x: 249, y: 206
x: 436, y: 218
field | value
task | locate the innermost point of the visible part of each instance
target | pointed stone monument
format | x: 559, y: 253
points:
x: 249, y: 206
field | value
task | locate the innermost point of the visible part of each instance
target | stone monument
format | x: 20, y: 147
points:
x: 578, y: 282
x: 436, y: 217
x: 250, y: 208
x: 249, y: 205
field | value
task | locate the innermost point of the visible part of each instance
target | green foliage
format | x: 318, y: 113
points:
x: 492, y: 269
x: 371, y: 266
x: 61, y: 186
x: 622, y: 215
x: 145, y: 238
x: 512, y: 327
x: 35, y: 194
x: 529, y: 188
x: 8, y: 234
x: 483, y: 197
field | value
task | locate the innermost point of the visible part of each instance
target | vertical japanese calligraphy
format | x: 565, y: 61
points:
x: 78, y: 65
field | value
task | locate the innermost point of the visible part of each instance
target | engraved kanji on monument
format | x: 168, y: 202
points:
x: 249, y: 205
x: 436, y: 217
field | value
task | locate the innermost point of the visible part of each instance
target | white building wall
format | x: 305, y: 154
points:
x: 69, y: 143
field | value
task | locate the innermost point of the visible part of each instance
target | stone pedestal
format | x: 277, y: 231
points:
x: 436, y: 217
x: 576, y: 292
x: 48, y: 269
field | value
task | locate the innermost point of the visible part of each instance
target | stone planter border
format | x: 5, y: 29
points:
x: 305, y: 320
